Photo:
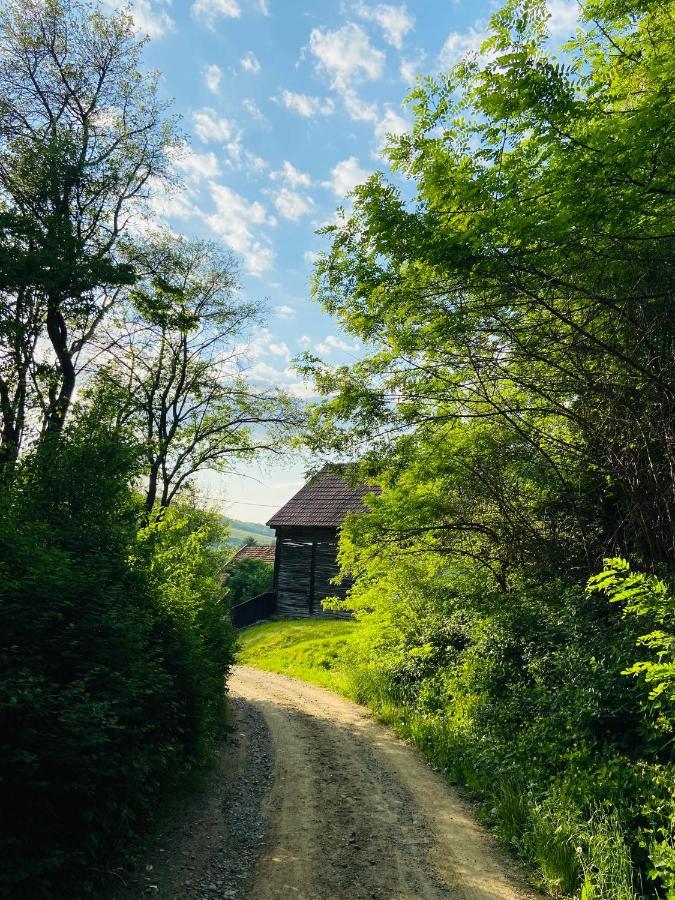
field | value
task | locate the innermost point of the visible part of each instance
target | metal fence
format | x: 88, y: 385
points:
x: 254, y: 610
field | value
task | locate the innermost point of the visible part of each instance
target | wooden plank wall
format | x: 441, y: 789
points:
x: 327, y: 568
x: 295, y: 560
x: 304, y: 561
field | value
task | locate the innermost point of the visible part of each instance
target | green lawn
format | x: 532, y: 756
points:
x: 315, y: 650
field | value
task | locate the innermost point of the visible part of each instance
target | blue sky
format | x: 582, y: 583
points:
x: 286, y: 105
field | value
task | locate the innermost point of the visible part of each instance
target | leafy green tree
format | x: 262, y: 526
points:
x: 515, y: 404
x: 83, y: 137
x: 529, y: 279
x: 22, y: 315
x: 172, y: 368
x: 114, y: 649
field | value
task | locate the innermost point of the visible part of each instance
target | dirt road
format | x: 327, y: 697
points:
x: 316, y: 801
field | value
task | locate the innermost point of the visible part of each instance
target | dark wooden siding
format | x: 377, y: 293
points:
x: 306, y: 563
x: 327, y: 568
x: 295, y: 559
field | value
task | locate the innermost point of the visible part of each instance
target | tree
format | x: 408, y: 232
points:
x: 115, y: 646
x: 83, y: 137
x: 530, y: 280
x: 21, y: 321
x: 172, y: 367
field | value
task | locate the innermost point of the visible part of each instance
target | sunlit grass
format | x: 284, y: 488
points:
x: 314, y: 650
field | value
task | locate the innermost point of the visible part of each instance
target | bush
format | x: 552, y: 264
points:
x: 526, y: 698
x: 111, y: 674
x: 247, y: 578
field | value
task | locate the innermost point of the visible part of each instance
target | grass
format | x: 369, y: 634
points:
x: 314, y: 650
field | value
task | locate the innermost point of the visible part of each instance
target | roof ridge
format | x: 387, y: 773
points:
x: 323, y: 501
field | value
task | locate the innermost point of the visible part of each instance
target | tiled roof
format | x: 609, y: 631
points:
x: 250, y: 551
x: 323, y: 502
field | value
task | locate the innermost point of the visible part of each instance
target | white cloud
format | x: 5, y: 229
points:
x: 263, y: 7
x: 331, y: 343
x: 292, y: 205
x: 207, y: 11
x: 264, y: 355
x: 212, y: 76
x: 147, y: 18
x: 291, y: 175
x: 260, y: 347
x: 395, y: 21
x: 253, y: 110
x: 250, y: 63
x: 197, y: 166
x: 173, y: 205
x: 410, y: 68
x: 390, y: 123
x: 307, y: 105
x: 241, y: 158
x: 346, y: 55
x: 564, y: 18
x: 210, y: 128
x: 265, y: 373
x: 458, y: 44
x: 256, y: 163
x: 284, y: 312
x: 346, y: 175
x: 233, y: 222
x: 310, y: 256
x: 357, y: 109
x: 303, y: 390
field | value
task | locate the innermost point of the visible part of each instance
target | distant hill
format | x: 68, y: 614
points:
x: 240, y: 532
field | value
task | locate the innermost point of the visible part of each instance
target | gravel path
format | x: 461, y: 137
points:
x: 313, y: 800
x: 207, y: 849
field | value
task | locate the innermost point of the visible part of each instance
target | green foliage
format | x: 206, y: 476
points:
x: 516, y: 407
x: 646, y: 597
x: 247, y: 578
x: 115, y: 639
x: 112, y: 662
x: 524, y: 278
x: 83, y: 137
x: 165, y: 375
x: 523, y: 697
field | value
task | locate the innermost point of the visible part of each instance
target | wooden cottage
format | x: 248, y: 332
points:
x: 306, y: 548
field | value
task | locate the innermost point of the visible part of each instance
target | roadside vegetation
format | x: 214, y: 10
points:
x: 115, y: 638
x: 513, y: 581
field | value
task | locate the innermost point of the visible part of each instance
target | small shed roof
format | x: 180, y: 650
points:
x: 251, y: 551
x: 323, y: 502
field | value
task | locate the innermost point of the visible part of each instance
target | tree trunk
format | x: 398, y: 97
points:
x: 151, y: 494
x: 10, y: 437
x: 58, y: 335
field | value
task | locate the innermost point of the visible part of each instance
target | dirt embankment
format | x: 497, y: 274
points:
x: 314, y: 800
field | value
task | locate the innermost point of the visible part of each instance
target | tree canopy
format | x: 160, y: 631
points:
x: 520, y: 276
x: 84, y: 138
